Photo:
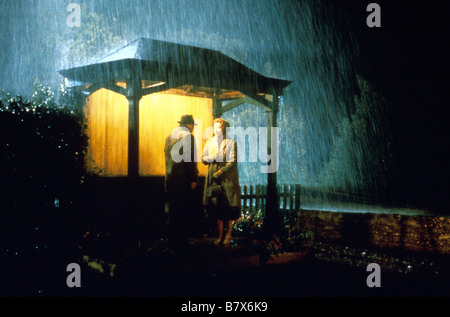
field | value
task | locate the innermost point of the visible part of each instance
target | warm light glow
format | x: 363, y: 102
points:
x: 159, y: 115
x: 107, y: 114
x: 154, y: 85
x: 121, y: 84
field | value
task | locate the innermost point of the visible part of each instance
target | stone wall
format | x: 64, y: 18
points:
x: 392, y: 231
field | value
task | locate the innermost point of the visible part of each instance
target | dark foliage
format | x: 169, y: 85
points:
x: 42, y: 152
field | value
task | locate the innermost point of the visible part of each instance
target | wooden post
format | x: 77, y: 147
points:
x: 263, y: 199
x: 246, y: 199
x: 272, y: 217
x: 258, y: 197
x: 134, y: 95
x: 217, y: 108
x: 285, y: 198
x: 291, y: 198
x: 252, y: 210
x: 297, y: 197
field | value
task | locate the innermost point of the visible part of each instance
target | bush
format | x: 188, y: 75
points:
x: 42, y: 151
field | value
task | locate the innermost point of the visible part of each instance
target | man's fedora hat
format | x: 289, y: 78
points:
x: 187, y: 119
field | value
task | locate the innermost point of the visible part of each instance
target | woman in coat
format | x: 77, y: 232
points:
x: 220, y: 154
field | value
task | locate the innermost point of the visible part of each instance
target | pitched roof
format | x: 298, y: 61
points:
x: 177, y: 64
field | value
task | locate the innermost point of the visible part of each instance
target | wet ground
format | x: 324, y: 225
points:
x: 201, y: 269
x: 111, y: 266
x: 317, y: 270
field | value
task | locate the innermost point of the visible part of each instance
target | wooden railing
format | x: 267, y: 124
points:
x: 290, y: 196
x: 253, y: 197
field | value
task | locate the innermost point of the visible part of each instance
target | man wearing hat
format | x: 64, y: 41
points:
x: 181, y: 179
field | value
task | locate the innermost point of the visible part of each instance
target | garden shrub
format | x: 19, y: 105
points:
x: 42, y: 148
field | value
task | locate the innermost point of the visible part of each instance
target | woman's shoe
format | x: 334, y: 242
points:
x: 218, y: 240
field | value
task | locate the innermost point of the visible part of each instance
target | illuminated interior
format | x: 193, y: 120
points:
x: 107, y: 128
x: 159, y: 115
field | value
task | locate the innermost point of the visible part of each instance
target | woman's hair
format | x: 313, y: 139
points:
x: 225, y: 124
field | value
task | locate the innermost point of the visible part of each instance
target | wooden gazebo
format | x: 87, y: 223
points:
x: 145, y: 67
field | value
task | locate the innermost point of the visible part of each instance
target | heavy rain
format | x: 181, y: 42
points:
x: 361, y: 124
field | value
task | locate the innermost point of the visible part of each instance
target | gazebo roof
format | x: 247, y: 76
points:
x: 175, y: 65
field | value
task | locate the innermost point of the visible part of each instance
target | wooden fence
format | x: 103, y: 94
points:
x: 290, y: 196
x: 253, y: 198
